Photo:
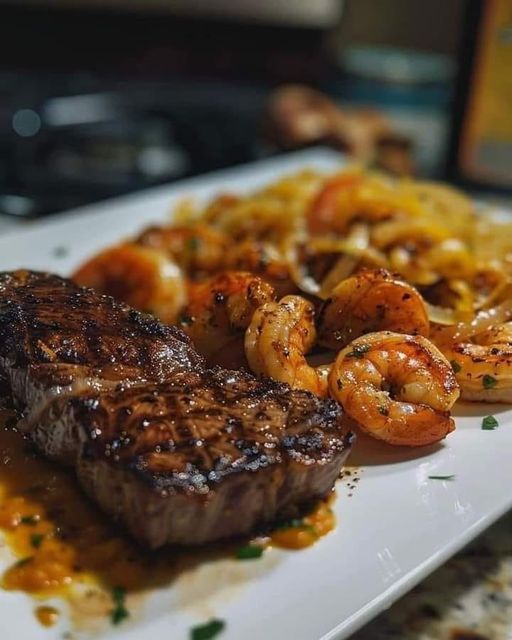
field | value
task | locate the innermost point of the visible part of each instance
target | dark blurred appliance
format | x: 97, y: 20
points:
x: 99, y: 102
x: 62, y: 150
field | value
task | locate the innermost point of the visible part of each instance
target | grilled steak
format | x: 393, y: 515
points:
x: 179, y: 453
x: 57, y: 338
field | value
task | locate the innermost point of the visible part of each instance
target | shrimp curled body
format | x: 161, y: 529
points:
x: 371, y: 300
x: 398, y: 388
x: 483, y: 365
x: 218, y: 312
x: 142, y: 277
x: 276, y: 341
x: 197, y: 249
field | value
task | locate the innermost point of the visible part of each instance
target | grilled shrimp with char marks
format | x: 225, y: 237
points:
x: 218, y: 312
x: 197, y: 248
x: 142, y: 277
x: 483, y: 364
x: 276, y: 341
x: 263, y: 259
x: 371, y: 300
x: 397, y: 388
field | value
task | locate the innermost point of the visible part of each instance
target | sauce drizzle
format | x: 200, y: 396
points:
x: 64, y: 544
x: 58, y: 535
x: 47, y: 616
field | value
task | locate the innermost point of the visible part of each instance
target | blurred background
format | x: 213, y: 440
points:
x: 104, y: 97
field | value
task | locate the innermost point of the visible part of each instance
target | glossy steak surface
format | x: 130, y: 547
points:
x: 177, y: 452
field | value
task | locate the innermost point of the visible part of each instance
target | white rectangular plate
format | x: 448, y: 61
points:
x: 396, y: 528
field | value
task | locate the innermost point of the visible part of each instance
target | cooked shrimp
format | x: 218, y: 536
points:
x: 263, y: 259
x: 354, y: 196
x: 371, y: 300
x: 324, y: 213
x: 276, y: 341
x: 218, y: 206
x: 197, y: 248
x: 218, y: 312
x: 144, y: 278
x: 483, y: 364
x: 398, y: 388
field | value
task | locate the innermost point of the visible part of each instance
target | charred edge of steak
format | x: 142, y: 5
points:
x: 241, y: 505
x: 190, y: 433
x: 205, y: 456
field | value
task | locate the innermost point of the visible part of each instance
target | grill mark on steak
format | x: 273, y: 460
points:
x: 46, y: 319
x: 58, y: 339
x: 201, y: 424
x: 177, y: 452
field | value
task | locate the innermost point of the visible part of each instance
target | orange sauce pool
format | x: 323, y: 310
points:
x: 47, y: 616
x: 58, y: 535
x: 307, y: 530
x: 62, y: 541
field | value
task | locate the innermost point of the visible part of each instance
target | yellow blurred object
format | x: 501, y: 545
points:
x: 309, y: 231
x: 347, y: 253
x: 485, y: 148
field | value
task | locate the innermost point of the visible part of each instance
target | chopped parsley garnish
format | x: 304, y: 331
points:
x: 489, y: 382
x: 193, y: 243
x: 36, y: 539
x: 60, y: 252
x: 23, y: 562
x: 249, y: 552
x: 358, y: 351
x: 296, y: 523
x: 452, y: 477
x: 455, y: 366
x: 31, y: 520
x: 208, y: 630
x: 185, y: 319
x: 489, y: 423
x: 290, y: 524
x: 384, y: 411
x: 119, y: 612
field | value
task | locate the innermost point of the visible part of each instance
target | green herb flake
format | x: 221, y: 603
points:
x: 310, y: 528
x: 192, y: 244
x: 119, y: 612
x: 60, y: 252
x: 384, y: 411
x: 206, y: 631
x: 30, y: 520
x: 23, y: 562
x: 358, y: 351
x: 185, y: 319
x: 296, y: 523
x: 36, y: 540
x: 455, y: 366
x: 489, y: 423
x: 489, y: 382
x: 249, y: 552
x: 452, y: 477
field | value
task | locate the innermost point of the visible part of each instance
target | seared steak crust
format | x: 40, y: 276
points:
x: 58, y: 339
x: 179, y: 453
x: 45, y: 319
